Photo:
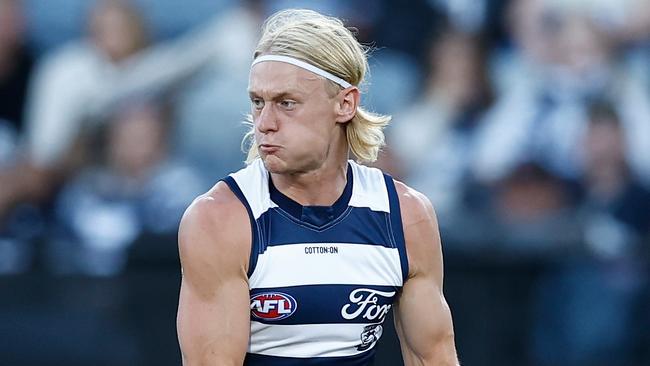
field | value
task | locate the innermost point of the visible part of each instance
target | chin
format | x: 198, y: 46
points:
x: 274, y: 165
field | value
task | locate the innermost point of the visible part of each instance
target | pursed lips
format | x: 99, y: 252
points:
x: 268, y: 148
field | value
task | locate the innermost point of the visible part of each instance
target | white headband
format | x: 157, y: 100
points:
x: 304, y: 65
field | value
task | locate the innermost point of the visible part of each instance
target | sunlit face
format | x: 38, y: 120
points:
x: 136, y: 141
x: 117, y: 30
x: 457, y: 69
x: 294, y: 115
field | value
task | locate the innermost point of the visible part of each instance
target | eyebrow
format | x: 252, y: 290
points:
x: 277, y: 95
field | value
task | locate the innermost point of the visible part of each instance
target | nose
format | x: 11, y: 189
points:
x: 266, y: 120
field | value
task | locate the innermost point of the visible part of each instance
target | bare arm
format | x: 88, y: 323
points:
x: 422, y: 317
x: 214, y: 307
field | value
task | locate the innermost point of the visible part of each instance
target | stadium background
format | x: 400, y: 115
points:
x: 527, y: 123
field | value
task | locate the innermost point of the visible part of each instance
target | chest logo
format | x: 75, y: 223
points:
x: 365, y: 302
x: 370, y: 335
x: 273, y: 305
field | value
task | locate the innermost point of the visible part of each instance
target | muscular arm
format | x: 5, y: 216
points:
x: 214, y: 308
x: 422, y: 317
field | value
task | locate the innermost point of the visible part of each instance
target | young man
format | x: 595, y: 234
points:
x: 297, y: 258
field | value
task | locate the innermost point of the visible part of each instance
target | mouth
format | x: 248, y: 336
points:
x: 268, y: 148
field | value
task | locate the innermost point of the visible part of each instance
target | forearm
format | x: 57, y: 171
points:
x: 423, y: 362
x: 420, y: 362
x: 442, y: 354
x: 217, y: 353
x: 210, y: 344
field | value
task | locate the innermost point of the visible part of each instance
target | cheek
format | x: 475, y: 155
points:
x: 311, y: 139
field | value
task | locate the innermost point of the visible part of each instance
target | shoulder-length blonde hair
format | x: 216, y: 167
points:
x: 326, y: 43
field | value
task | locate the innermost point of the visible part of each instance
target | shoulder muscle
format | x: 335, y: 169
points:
x: 214, y: 238
x: 420, y: 232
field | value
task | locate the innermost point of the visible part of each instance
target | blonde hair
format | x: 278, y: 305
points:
x: 327, y: 44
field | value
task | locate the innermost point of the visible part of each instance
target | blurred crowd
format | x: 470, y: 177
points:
x: 526, y: 122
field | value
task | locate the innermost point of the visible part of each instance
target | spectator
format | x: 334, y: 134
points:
x: 208, y: 114
x: 15, y: 64
x: 541, y: 115
x: 438, y: 157
x: 60, y: 97
x: 68, y: 81
x: 611, y: 189
x: 136, y: 187
x: 85, y: 79
x: 587, y: 304
x: 533, y: 214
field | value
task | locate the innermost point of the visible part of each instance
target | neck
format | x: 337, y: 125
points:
x: 319, y: 187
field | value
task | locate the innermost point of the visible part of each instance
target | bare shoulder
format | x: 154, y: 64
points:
x: 215, y: 233
x: 420, y: 231
x: 414, y: 205
x: 213, y: 207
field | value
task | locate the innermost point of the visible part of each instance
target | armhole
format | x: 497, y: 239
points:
x: 396, y: 225
x: 255, y: 242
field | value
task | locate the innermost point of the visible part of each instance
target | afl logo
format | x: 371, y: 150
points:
x: 273, y: 305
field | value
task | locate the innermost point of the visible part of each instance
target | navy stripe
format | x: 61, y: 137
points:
x: 359, y: 225
x: 255, y: 242
x: 323, y: 304
x: 396, y: 225
x: 363, y: 359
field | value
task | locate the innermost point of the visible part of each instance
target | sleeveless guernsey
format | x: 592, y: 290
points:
x: 322, y: 278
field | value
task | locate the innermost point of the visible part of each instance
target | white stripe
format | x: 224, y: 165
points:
x: 304, y: 65
x: 305, y: 340
x: 369, y: 188
x: 253, y: 182
x: 354, y: 264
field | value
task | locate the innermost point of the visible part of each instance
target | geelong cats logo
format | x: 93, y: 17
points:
x: 369, y: 336
x: 273, y: 305
x: 364, y: 303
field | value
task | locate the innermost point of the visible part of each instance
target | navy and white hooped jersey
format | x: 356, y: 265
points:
x: 322, y: 278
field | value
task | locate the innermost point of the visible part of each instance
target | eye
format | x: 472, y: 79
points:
x: 257, y: 103
x: 288, y: 104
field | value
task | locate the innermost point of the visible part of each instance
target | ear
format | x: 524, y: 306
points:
x: 347, y: 102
